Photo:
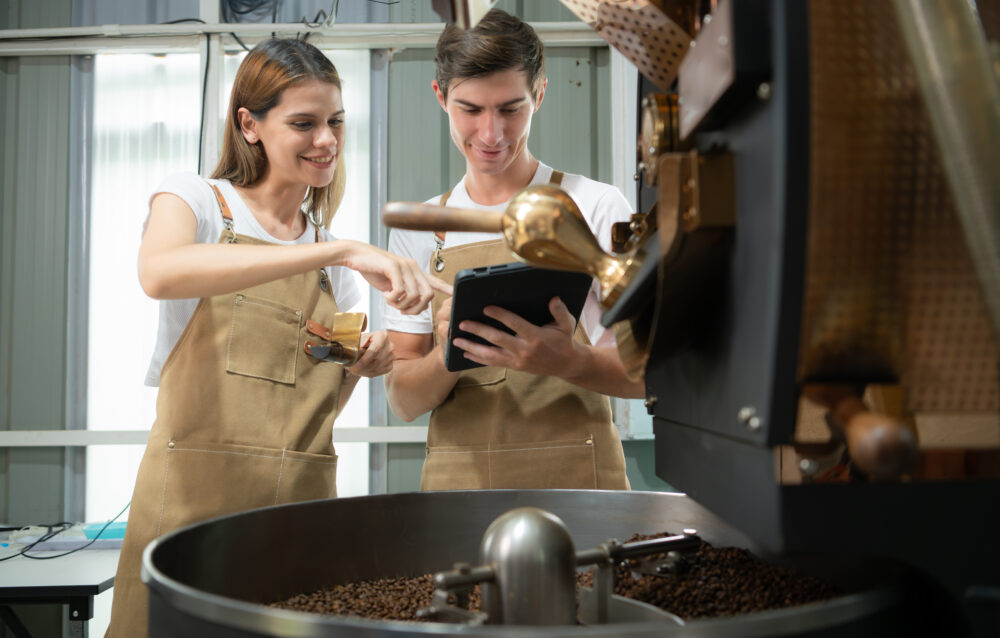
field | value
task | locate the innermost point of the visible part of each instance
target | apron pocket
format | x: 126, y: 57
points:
x: 263, y: 340
x: 306, y: 477
x: 203, y: 480
x: 567, y: 464
x: 485, y: 375
x: 460, y: 467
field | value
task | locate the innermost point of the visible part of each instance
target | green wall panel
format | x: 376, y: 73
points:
x: 639, y: 465
x: 570, y: 130
x: 34, y: 136
x: 404, y: 461
x: 530, y: 10
x: 35, y: 178
x: 423, y: 162
x: 38, y: 14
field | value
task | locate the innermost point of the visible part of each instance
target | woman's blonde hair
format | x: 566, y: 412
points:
x: 270, y: 68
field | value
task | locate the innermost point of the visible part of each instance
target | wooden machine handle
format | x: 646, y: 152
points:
x: 881, y: 447
x: 415, y: 216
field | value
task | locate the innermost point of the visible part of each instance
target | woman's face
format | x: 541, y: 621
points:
x: 303, y: 135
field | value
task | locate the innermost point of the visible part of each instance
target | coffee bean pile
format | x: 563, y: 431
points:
x: 718, y: 581
x: 383, y: 599
x: 709, y: 582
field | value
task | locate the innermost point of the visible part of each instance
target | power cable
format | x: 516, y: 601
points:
x: 63, y: 526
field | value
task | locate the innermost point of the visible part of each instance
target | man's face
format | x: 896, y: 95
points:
x: 490, y: 118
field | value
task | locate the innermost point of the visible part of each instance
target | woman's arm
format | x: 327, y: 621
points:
x: 173, y: 266
x: 377, y: 360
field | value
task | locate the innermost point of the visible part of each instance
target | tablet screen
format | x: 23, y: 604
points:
x: 522, y: 289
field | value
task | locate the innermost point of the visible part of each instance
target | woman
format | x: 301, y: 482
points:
x: 249, y: 275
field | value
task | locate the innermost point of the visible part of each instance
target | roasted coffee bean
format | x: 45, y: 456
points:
x: 714, y: 581
x: 719, y: 581
x: 383, y: 599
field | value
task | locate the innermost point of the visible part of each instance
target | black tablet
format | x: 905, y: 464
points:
x: 522, y: 289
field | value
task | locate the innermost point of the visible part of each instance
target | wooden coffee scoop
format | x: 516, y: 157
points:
x: 881, y: 447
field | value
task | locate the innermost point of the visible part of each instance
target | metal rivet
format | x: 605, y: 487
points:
x: 76, y: 614
x: 590, y: 441
x: 764, y: 91
x: 808, y: 466
x: 170, y: 445
x: 748, y: 417
x: 650, y: 403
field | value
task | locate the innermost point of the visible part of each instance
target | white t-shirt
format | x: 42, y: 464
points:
x: 601, y: 205
x: 193, y: 189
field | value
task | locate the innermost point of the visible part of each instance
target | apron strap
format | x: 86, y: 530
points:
x: 227, y: 215
x: 444, y: 201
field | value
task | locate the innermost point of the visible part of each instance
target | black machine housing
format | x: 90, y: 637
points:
x: 721, y: 381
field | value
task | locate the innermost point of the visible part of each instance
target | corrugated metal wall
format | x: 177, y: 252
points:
x: 34, y: 135
x: 33, y: 318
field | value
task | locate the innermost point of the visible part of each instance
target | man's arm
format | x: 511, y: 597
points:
x: 418, y: 382
x: 550, y: 350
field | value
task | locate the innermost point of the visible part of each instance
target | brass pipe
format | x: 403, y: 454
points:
x: 542, y: 226
x: 414, y: 216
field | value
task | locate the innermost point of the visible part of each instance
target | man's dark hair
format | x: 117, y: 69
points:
x: 499, y: 42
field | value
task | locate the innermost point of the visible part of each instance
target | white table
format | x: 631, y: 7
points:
x: 71, y: 580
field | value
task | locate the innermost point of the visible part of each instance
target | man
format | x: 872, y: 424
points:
x: 536, y: 416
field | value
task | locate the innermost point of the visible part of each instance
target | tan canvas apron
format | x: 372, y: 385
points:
x: 503, y: 428
x: 244, y: 420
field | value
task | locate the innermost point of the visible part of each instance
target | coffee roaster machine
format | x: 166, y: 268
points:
x: 811, y: 289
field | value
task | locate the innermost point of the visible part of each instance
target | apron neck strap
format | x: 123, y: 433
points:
x: 227, y: 215
x: 439, y: 235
